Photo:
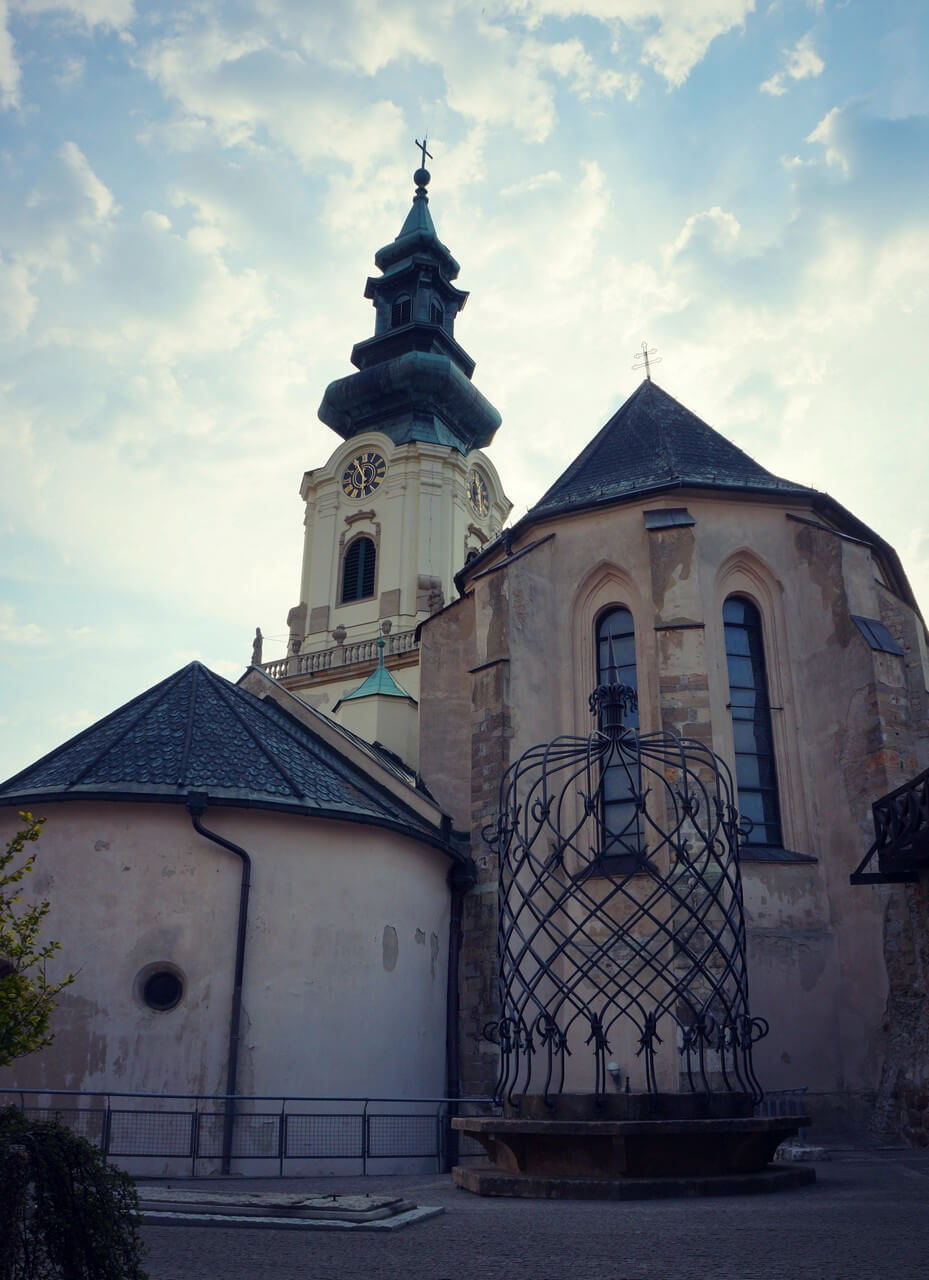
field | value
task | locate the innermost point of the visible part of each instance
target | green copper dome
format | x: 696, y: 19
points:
x: 413, y: 380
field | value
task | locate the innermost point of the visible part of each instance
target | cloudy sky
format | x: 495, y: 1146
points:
x: 191, y: 196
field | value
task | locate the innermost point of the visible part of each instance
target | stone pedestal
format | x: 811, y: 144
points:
x: 628, y: 1147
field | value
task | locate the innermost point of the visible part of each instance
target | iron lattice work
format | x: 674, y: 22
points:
x: 620, y: 903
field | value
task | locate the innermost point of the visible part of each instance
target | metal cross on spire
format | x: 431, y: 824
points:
x: 645, y: 358
x: 422, y: 147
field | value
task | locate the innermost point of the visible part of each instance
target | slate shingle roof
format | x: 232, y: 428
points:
x: 198, y: 733
x: 653, y: 442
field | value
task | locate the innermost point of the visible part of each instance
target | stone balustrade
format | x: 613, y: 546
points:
x: 339, y: 655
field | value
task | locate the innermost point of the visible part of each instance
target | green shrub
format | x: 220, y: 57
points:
x: 27, y: 997
x: 65, y: 1212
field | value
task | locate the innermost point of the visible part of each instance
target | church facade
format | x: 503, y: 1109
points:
x: 431, y: 645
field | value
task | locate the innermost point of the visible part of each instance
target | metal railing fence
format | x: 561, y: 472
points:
x: 276, y: 1129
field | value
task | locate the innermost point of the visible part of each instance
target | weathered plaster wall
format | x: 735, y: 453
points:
x: 846, y: 721
x: 345, y: 967
x: 446, y: 656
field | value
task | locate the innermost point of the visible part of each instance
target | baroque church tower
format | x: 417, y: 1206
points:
x: 405, y: 500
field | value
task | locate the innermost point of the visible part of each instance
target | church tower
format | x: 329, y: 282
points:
x: 406, y: 499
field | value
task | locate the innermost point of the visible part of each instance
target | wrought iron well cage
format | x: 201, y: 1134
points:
x: 620, y: 914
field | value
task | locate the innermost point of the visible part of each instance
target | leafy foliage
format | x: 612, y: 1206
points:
x: 65, y: 1213
x: 27, y: 997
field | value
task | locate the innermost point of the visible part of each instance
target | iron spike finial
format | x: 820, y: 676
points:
x: 610, y: 703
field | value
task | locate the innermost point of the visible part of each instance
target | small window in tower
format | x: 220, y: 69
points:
x: 358, y: 571
x: 436, y: 314
x: 400, y: 312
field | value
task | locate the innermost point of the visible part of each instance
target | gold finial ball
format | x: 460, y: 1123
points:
x: 421, y: 177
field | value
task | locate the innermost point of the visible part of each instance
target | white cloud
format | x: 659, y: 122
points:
x: 94, y: 191
x: 774, y: 86
x: 19, y: 635
x: 71, y: 73
x: 802, y: 62
x: 90, y: 13
x: 537, y: 182
x: 240, y: 85
x: 9, y: 66
x: 714, y: 227
x: 828, y: 133
x: 684, y: 30
x: 17, y: 301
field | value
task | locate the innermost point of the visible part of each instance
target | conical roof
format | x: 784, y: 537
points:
x: 651, y: 443
x: 380, y: 683
x: 197, y: 733
x: 418, y: 235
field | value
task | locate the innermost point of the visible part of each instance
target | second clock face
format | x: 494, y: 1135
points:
x: 477, y: 494
x: 363, y: 475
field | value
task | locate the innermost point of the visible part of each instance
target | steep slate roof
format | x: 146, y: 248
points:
x: 651, y: 443
x: 197, y: 733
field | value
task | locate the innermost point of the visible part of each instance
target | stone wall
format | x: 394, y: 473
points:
x: 902, y: 1107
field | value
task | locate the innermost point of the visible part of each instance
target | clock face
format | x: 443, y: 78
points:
x: 363, y: 475
x: 477, y: 494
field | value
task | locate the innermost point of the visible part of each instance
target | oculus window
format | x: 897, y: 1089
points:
x: 160, y: 986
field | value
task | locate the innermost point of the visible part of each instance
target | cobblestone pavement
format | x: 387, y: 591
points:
x: 867, y: 1218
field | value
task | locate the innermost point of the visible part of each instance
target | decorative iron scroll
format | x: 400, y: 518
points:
x: 620, y: 903
x: 901, y: 835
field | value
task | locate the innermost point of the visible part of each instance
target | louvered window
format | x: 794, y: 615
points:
x: 358, y: 571
x: 400, y: 312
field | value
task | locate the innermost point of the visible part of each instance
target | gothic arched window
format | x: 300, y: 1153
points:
x: 436, y: 314
x: 358, y: 570
x: 400, y: 312
x: 622, y: 823
x: 755, y: 773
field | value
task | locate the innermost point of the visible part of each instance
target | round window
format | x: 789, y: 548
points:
x: 160, y: 986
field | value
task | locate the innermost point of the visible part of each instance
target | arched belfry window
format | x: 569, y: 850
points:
x: 436, y: 315
x: 755, y: 772
x: 400, y: 312
x: 622, y: 822
x: 358, y: 570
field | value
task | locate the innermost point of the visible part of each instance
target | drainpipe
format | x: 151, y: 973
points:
x: 461, y: 877
x: 196, y: 806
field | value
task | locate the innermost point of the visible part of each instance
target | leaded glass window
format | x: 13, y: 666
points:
x: 622, y: 823
x: 755, y: 772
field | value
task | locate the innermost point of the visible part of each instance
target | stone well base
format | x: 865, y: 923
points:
x: 627, y: 1159
x: 490, y: 1182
